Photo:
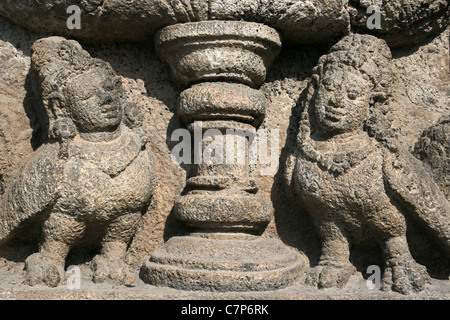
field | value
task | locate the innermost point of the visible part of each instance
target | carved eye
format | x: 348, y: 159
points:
x: 109, y: 86
x: 85, y: 94
x: 328, y: 85
x: 352, y: 94
x: 117, y: 83
x: 112, y: 85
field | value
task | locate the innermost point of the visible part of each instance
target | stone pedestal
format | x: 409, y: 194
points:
x: 222, y: 63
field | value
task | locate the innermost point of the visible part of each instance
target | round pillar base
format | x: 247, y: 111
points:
x: 223, y: 264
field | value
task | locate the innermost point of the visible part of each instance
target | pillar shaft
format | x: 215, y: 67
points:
x: 222, y: 63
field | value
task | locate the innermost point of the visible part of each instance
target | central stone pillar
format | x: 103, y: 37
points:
x: 222, y: 63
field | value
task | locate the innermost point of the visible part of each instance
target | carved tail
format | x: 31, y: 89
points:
x: 414, y: 186
x: 32, y: 192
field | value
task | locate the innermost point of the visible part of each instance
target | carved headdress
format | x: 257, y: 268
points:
x: 404, y: 176
x: 371, y: 57
x: 365, y: 53
x: 54, y: 61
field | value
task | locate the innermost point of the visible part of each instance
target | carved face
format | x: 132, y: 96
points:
x: 342, y: 100
x: 93, y: 101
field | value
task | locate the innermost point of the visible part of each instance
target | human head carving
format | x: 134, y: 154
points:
x: 349, y: 83
x: 80, y: 93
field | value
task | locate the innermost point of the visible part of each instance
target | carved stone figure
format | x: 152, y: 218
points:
x: 94, y: 174
x: 433, y: 148
x: 351, y: 176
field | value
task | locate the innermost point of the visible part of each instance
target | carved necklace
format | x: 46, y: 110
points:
x: 111, y: 157
x: 334, y: 162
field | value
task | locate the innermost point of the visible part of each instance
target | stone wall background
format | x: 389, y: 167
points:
x: 420, y: 98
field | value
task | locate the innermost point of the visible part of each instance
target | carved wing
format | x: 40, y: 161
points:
x: 32, y: 192
x: 415, y: 188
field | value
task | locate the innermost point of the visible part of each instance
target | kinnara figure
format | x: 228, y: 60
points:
x: 357, y: 184
x: 95, y: 173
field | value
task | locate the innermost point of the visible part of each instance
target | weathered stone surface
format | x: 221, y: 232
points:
x: 222, y: 100
x: 15, y: 130
x: 224, y: 210
x: 433, y: 148
x: 214, y: 50
x: 299, y: 21
x: 419, y: 100
x: 223, y: 265
x: 402, y: 22
x: 238, y: 53
x: 93, y: 175
x: 341, y: 146
x: 12, y: 288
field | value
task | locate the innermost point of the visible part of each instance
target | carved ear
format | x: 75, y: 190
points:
x: 61, y: 126
x: 313, y: 83
x: 316, y: 75
x: 64, y: 129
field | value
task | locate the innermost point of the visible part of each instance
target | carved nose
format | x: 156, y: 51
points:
x: 337, y: 100
x: 334, y: 102
x: 105, y: 97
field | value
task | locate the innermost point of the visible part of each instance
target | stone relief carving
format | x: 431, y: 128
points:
x: 402, y: 22
x: 222, y: 63
x: 433, y: 148
x: 95, y: 174
x: 299, y: 21
x: 94, y: 178
x: 357, y: 184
